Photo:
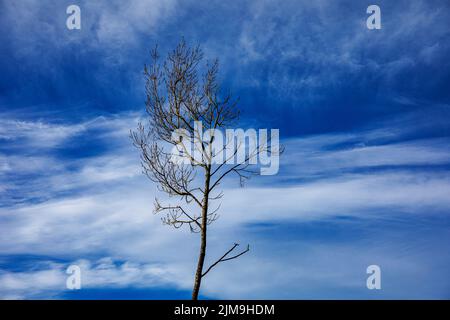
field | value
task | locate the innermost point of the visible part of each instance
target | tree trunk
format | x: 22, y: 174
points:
x: 201, y: 258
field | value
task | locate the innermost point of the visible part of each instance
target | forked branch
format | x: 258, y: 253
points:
x: 225, y: 258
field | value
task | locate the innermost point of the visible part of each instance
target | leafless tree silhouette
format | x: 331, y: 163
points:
x: 178, y: 96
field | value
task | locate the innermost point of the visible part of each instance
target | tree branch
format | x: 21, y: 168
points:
x: 224, y: 257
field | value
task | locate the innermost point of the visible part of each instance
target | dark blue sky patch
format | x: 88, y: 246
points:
x: 128, y: 294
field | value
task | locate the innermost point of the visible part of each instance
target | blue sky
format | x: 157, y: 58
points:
x: 364, y: 116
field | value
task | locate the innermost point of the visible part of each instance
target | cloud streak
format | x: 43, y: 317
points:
x: 114, y: 203
x: 364, y: 117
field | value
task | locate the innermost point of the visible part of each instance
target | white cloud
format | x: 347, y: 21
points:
x: 312, y: 45
x: 30, y: 155
x: 110, y: 213
x: 104, y: 273
x: 112, y: 20
x: 357, y: 155
x: 122, y: 22
x: 349, y: 195
x: 19, y: 285
x: 37, y: 134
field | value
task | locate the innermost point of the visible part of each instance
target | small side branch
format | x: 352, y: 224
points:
x: 174, y: 215
x: 226, y: 258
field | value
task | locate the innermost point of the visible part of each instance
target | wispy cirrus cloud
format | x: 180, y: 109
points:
x: 357, y: 190
x: 49, y: 280
x: 108, y: 213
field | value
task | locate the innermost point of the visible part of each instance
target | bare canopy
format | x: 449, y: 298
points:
x: 178, y: 98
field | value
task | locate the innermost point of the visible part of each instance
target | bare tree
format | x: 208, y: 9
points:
x: 179, y: 97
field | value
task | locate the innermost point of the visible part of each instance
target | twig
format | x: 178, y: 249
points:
x: 223, y: 258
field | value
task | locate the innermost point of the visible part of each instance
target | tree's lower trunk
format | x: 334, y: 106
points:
x: 201, y: 258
